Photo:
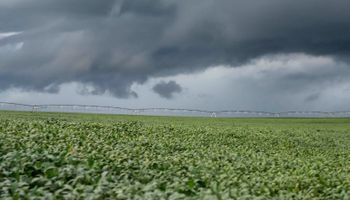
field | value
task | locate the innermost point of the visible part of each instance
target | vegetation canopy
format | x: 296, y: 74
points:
x: 74, y: 156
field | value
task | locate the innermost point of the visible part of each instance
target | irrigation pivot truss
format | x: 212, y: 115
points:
x: 163, y: 111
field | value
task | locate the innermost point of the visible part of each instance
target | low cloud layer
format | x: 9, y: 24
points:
x: 167, y: 89
x: 110, y: 45
x: 267, y: 83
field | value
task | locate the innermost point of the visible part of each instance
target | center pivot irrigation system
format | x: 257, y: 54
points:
x: 77, y: 108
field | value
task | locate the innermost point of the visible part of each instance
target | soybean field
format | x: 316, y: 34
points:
x: 95, y: 156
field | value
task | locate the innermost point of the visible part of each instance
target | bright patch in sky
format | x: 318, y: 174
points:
x: 5, y: 35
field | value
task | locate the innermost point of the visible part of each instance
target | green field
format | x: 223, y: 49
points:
x: 81, y: 156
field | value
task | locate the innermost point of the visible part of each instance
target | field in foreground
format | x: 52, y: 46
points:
x: 75, y: 156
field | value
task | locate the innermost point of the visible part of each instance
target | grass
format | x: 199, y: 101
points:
x: 90, y: 156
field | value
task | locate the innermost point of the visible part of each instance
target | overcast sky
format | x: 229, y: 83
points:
x: 269, y: 55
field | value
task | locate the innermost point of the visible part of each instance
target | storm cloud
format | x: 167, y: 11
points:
x: 111, y: 44
x: 167, y: 89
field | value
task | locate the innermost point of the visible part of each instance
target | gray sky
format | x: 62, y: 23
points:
x: 267, y: 55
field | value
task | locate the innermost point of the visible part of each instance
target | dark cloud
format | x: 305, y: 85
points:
x: 312, y: 97
x: 111, y: 44
x: 167, y: 89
